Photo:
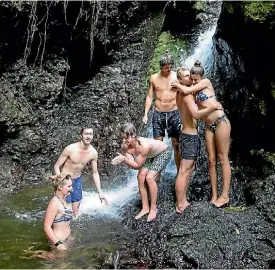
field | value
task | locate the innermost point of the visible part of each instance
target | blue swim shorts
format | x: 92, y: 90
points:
x: 76, y: 195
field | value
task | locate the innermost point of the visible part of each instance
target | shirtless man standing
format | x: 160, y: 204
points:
x: 166, y: 114
x: 189, y: 141
x: 72, y: 160
x: 152, y: 157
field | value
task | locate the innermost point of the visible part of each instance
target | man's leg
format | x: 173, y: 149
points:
x: 189, y: 150
x: 153, y: 189
x: 175, y: 143
x: 174, y: 124
x: 182, y: 181
x: 143, y: 193
x: 76, y: 196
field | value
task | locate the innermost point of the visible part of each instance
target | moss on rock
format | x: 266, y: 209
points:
x: 167, y: 43
x: 258, y: 10
x: 228, y: 7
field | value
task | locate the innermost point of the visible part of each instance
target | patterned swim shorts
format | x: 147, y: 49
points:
x: 159, y: 162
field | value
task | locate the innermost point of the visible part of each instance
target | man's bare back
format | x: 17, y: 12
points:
x: 148, y: 147
x: 77, y: 158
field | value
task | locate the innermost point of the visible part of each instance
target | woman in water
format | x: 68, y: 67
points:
x: 59, y: 213
x: 217, y: 132
x: 152, y: 157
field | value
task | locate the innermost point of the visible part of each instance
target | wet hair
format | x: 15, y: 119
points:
x: 83, y: 129
x: 197, y: 69
x: 129, y: 129
x: 179, y: 72
x: 165, y: 60
x: 60, y: 180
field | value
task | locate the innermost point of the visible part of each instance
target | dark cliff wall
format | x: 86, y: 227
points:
x: 40, y: 116
x: 244, y: 52
x: 85, y: 33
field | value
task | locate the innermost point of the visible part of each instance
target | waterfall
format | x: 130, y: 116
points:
x: 203, y: 52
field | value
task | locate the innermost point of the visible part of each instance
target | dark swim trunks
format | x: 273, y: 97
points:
x: 76, y: 195
x: 190, y: 146
x: 171, y: 121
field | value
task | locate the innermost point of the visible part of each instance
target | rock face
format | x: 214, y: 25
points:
x: 40, y: 116
x: 244, y: 60
x: 203, y: 236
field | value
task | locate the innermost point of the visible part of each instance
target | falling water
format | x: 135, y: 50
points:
x: 203, y: 52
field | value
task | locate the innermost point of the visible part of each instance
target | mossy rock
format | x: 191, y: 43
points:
x: 258, y: 10
x: 235, y: 209
x: 200, y: 5
x: 228, y: 6
x: 167, y: 44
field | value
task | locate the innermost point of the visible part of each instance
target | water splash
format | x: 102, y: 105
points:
x: 117, y: 198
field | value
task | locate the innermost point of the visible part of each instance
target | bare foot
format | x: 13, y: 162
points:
x: 142, y: 213
x: 213, y: 199
x: 180, y: 209
x: 222, y: 202
x: 152, y: 215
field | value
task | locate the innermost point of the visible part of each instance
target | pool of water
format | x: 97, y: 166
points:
x: 97, y: 233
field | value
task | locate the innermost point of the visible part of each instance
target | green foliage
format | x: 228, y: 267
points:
x: 235, y: 209
x: 200, y: 5
x: 273, y: 89
x: 258, y: 10
x: 228, y: 6
x: 166, y: 44
x: 270, y: 157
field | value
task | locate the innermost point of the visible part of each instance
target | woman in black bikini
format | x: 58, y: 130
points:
x: 217, y: 133
x: 59, y: 213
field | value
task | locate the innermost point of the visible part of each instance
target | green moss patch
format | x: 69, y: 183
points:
x: 167, y: 44
x: 258, y: 10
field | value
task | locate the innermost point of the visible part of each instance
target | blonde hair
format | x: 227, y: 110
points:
x: 179, y: 72
x: 59, y: 180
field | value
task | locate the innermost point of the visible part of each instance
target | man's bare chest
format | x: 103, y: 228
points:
x: 80, y: 158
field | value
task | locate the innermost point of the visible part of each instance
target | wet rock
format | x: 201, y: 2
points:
x: 10, y: 175
x: 15, y: 110
x: 202, y: 237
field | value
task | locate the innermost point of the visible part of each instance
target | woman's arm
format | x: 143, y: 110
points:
x: 204, y: 83
x: 48, y: 221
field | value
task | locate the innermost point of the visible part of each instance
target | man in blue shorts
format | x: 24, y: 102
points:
x: 72, y: 160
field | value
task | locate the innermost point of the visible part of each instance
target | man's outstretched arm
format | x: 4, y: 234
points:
x: 96, y: 178
x: 148, y: 102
